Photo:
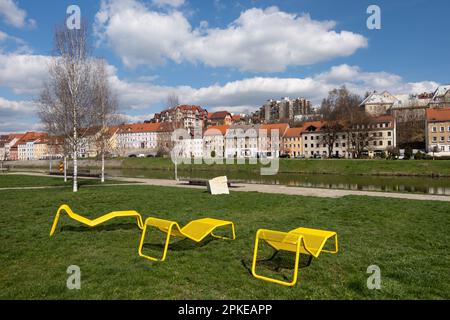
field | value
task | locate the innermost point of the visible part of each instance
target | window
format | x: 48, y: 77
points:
x: 312, y: 145
x: 442, y: 129
x: 434, y: 129
x: 306, y: 137
x: 389, y: 134
x: 389, y: 143
x: 442, y: 139
x: 343, y: 145
x: 381, y: 143
x: 434, y: 139
x: 337, y: 145
x: 306, y: 146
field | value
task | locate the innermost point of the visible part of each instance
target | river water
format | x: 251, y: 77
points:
x: 424, y: 185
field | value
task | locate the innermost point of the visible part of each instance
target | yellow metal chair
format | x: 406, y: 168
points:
x: 196, y: 230
x: 95, y: 222
x: 301, y: 241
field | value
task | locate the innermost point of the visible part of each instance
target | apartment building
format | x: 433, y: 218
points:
x: 437, y: 131
x: 183, y: 116
x: 441, y: 97
x: 284, y: 110
x: 214, y: 141
x: 241, y: 141
x: 292, y: 142
x: 24, y: 149
x: 379, y: 103
x: 220, y: 118
x: 140, y: 136
x: 314, y: 145
x: 6, y: 143
x: 382, y: 135
x: 271, y: 139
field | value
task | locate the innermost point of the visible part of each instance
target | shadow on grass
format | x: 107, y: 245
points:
x: 278, y: 262
x: 109, y: 227
x: 180, y: 245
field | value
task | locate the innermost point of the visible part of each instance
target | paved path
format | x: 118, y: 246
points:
x: 299, y: 191
x: 274, y: 189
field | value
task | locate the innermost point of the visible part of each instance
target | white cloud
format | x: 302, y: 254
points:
x: 15, y: 16
x: 23, y: 73
x: 139, y: 99
x: 253, y: 92
x: 3, y: 36
x: 17, y: 116
x: 16, y: 106
x: 259, y: 40
x: 169, y: 3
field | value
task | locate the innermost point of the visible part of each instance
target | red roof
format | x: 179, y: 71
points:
x: 317, y: 124
x: 30, y: 136
x: 438, y: 114
x: 213, y: 130
x: 219, y: 115
x: 293, y: 132
x: 140, y: 127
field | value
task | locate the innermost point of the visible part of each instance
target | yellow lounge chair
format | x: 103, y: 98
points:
x: 196, y: 230
x: 301, y: 241
x: 93, y: 223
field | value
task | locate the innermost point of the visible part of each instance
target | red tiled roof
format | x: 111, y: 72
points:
x: 293, y: 132
x: 140, y: 127
x: 438, y: 114
x: 30, y: 136
x: 219, y: 115
x: 212, y: 130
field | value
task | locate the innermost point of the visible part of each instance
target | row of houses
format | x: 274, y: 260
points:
x: 235, y: 139
x: 274, y: 140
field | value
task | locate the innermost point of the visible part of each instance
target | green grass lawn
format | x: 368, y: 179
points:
x: 16, y: 181
x: 310, y: 166
x: 408, y: 240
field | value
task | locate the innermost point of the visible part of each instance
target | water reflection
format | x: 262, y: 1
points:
x: 426, y: 185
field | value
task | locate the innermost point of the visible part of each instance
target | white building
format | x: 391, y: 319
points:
x: 143, y: 136
x: 241, y: 141
x: 379, y: 103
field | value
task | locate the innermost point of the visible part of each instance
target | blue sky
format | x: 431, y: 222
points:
x: 227, y: 54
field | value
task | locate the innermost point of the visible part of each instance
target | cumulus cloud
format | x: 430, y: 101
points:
x: 266, y: 40
x: 15, y: 16
x: 250, y: 93
x: 139, y: 99
x: 17, y: 116
x: 169, y: 3
x: 23, y: 73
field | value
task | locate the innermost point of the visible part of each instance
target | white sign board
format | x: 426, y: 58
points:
x: 218, y: 185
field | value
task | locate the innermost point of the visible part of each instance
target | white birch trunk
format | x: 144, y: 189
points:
x: 65, y: 168
x: 103, y: 166
x: 75, y: 155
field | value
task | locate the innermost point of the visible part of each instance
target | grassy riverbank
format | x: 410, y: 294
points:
x: 323, y: 166
x: 430, y: 168
x: 408, y: 240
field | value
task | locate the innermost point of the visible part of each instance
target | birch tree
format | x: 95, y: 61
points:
x: 106, y: 105
x: 65, y: 104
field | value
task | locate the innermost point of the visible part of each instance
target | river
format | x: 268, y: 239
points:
x: 423, y: 185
